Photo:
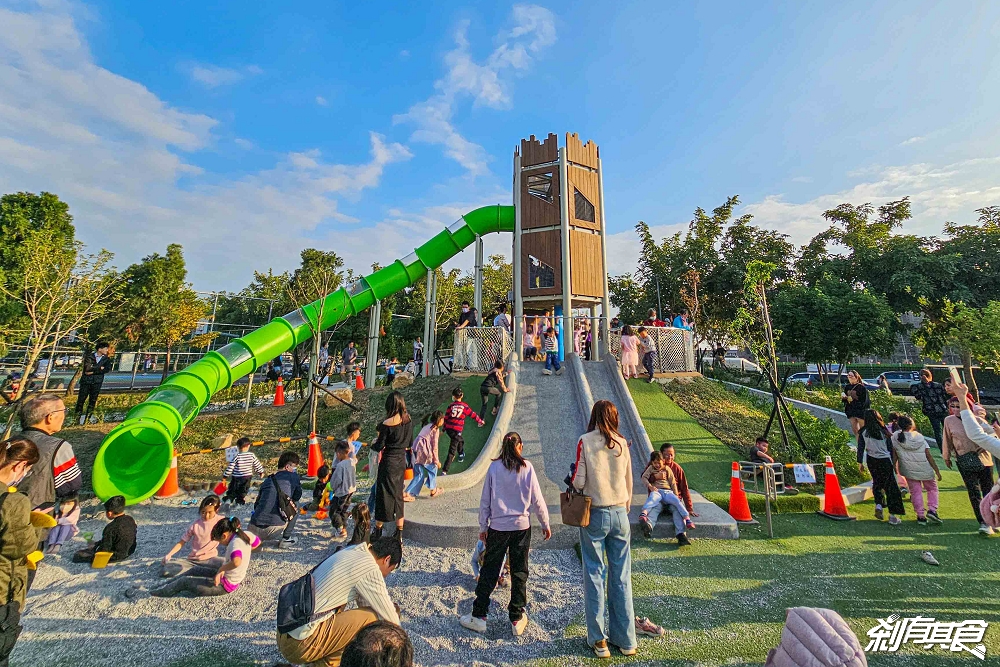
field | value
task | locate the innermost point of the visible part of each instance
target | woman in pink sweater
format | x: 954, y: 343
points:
x: 510, y: 493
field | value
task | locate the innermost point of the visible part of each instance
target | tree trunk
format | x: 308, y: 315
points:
x: 33, y: 354
x: 73, y: 380
x: 970, y: 378
x: 166, y: 366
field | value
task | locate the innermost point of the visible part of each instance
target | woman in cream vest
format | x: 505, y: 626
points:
x: 604, y: 473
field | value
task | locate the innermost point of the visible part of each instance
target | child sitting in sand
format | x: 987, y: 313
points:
x: 118, y: 536
x: 204, y: 550
x: 319, y: 491
x: 208, y: 581
x: 67, y: 515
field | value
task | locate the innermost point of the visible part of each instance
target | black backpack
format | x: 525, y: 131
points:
x: 297, y: 600
x: 286, y: 506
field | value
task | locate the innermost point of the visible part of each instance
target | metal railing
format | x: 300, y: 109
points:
x: 674, y: 349
x: 478, y: 348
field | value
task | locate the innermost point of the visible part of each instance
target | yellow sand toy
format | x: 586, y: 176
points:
x: 43, y: 520
x: 33, y: 559
x: 101, y: 560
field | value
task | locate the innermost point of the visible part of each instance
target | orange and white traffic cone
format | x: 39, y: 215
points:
x: 279, y: 393
x: 833, y: 500
x: 170, y: 488
x: 359, y: 382
x: 739, y: 507
x: 315, y: 456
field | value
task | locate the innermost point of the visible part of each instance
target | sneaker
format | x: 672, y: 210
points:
x: 288, y: 541
x: 683, y: 541
x: 517, y: 628
x: 933, y: 517
x: 644, y: 626
x: 546, y: 371
x: 929, y: 558
x: 649, y: 381
x: 461, y: 457
x: 921, y: 521
x: 879, y: 513
x: 470, y: 622
x: 601, y: 649
x: 628, y: 651
x: 443, y: 472
x: 894, y: 520
x: 985, y: 530
x: 689, y: 524
x: 559, y: 370
x: 646, y: 527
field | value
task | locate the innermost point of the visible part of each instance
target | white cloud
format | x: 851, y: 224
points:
x: 937, y: 194
x: 118, y: 155
x: 213, y: 76
x: 913, y: 140
x: 243, y: 143
x: 533, y: 31
x: 404, y: 53
x: 321, y: 101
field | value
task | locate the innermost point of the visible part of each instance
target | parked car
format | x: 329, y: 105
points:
x: 898, y: 380
x: 813, y: 380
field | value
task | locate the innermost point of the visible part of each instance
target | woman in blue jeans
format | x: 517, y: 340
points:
x: 603, y: 471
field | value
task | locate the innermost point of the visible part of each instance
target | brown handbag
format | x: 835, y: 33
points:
x: 575, y: 508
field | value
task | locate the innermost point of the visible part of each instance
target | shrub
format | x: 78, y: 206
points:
x: 829, y: 397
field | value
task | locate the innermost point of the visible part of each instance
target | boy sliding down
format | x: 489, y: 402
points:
x: 662, y: 488
x: 454, y: 423
x: 551, y: 347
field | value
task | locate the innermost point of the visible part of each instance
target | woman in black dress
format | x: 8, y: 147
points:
x: 856, y: 401
x: 395, y: 434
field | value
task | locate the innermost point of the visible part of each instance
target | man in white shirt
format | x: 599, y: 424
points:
x: 356, y: 573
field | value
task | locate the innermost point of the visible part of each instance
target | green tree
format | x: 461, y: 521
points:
x: 58, y: 290
x: 973, y: 332
x: 21, y: 215
x: 833, y: 321
x: 160, y: 307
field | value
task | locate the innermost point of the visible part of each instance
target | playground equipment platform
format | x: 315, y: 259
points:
x: 550, y: 412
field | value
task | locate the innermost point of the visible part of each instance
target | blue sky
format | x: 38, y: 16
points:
x: 247, y: 132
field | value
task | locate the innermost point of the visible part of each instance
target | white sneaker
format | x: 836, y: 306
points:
x: 546, y: 371
x: 559, y: 372
x: 470, y: 622
x: 288, y: 541
x: 894, y: 520
x: 518, y: 628
x: 985, y: 530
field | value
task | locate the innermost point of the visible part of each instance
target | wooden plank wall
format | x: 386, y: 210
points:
x: 536, y: 212
x: 579, y: 152
x: 547, y: 247
x: 533, y: 152
x: 586, y: 264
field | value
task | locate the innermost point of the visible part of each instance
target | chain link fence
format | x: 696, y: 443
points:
x: 478, y: 348
x: 674, y: 349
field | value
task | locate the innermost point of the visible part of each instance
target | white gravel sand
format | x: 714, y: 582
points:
x: 82, y: 617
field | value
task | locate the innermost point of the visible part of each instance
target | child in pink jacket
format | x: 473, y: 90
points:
x: 425, y: 457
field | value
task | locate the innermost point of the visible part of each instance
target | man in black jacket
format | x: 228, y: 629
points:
x: 267, y: 523
x: 95, y: 365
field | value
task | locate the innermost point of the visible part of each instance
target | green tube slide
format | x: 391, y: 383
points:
x: 135, y: 457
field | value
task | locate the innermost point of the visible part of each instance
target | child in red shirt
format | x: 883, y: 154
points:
x: 454, y: 422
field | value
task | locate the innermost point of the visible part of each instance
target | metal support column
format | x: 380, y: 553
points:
x: 428, y: 354
x: 430, y: 345
x: 567, y: 296
x: 517, y: 268
x: 477, y: 297
x: 371, y: 357
x: 595, y: 339
x: 605, y: 300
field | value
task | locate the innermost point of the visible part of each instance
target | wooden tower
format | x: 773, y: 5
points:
x: 560, y: 250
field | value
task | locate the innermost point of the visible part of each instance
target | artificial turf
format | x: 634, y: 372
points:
x: 706, y: 460
x: 474, y: 436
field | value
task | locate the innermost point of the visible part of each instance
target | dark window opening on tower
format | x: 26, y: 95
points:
x: 584, y: 209
x: 540, y: 274
x: 540, y: 185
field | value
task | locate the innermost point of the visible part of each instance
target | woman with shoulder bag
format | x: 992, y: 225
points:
x: 18, y: 538
x: 603, y: 473
x: 975, y: 464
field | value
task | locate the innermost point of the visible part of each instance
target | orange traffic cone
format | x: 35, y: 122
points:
x: 279, y: 394
x: 169, y: 488
x: 739, y: 508
x: 359, y: 382
x: 833, y: 499
x: 315, y: 456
